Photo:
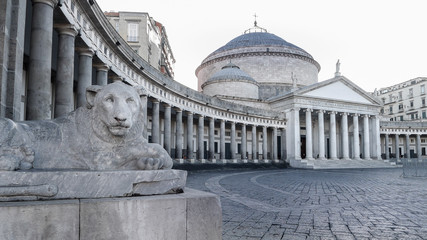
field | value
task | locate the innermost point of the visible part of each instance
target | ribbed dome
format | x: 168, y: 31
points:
x: 230, y: 72
x: 258, y: 39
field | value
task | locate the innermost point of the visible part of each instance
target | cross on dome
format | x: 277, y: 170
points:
x: 255, y: 28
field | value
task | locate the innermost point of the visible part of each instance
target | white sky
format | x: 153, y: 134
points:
x: 379, y: 42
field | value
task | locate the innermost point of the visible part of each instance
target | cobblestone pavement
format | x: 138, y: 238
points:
x: 320, y: 204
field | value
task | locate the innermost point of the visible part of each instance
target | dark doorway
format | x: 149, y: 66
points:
x: 227, y: 151
x: 279, y: 147
x: 205, y: 150
x: 303, y: 147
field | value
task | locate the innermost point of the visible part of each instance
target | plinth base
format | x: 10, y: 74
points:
x: 190, y: 215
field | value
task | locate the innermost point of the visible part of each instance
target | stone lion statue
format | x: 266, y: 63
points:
x: 105, y: 135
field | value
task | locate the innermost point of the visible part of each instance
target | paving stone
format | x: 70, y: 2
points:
x: 317, y: 204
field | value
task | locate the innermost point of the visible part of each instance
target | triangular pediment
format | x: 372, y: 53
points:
x: 340, y: 91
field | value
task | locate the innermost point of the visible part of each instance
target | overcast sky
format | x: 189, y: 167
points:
x: 379, y: 42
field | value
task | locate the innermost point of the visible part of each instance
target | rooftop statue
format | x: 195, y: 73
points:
x: 105, y: 135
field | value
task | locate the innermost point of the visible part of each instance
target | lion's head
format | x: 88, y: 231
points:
x: 117, y: 110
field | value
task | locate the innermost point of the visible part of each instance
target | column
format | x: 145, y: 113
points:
x: 321, y: 134
x: 12, y: 38
x: 178, y: 148
x: 332, y: 136
x: 211, y: 138
x: 222, y: 140
x: 254, y: 144
x: 344, y: 131
x: 144, y: 100
x: 283, y: 144
x: 275, y: 149
x: 101, y: 74
x: 244, y: 143
x: 39, y: 92
x: 167, y: 128
x: 366, y: 150
x: 419, y: 157
x: 308, y: 135
x: 407, y: 146
x: 376, y: 138
x: 64, y: 96
x: 233, y: 141
x: 85, y: 74
x: 200, y: 136
x: 264, y: 143
x: 396, y: 147
x: 293, y: 135
x: 155, y: 121
x: 387, y: 153
x: 356, y: 147
x: 190, y: 150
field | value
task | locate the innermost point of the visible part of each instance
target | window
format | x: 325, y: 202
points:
x: 411, y: 92
x: 400, y: 95
x: 133, y: 32
x: 400, y: 106
x: 401, y: 118
x: 423, y: 102
x: 391, y: 109
x: 390, y: 98
x: 383, y: 100
x: 423, y: 89
x: 411, y: 104
x: 116, y: 23
x: 424, y: 115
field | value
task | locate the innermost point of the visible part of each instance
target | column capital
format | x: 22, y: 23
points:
x: 85, y: 52
x: 366, y: 115
x: 101, y: 67
x: 66, y: 29
x: 167, y: 105
x: 332, y: 112
x: 344, y: 113
x: 117, y: 78
x: 51, y: 3
x: 295, y: 109
x: 355, y: 115
x: 177, y: 109
x: 308, y: 110
x: 155, y: 100
x: 189, y: 113
x: 320, y: 111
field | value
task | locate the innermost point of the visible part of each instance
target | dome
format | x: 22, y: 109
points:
x: 230, y: 72
x: 232, y: 82
x: 270, y: 61
x: 259, y: 39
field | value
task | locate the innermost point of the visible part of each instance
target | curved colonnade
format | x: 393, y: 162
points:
x: 172, y: 109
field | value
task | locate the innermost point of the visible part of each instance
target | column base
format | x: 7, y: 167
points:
x: 192, y: 160
x: 346, y: 158
x: 333, y: 158
x: 321, y: 158
x: 309, y: 158
x: 367, y: 158
x: 224, y: 160
x: 266, y: 160
x: 213, y: 160
x: 203, y: 160
x: 234, y: 160
x: 245, y: 160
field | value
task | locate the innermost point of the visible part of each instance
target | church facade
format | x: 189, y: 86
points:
x: 275, y: 111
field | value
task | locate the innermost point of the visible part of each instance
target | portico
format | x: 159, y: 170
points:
x: 322, y: 126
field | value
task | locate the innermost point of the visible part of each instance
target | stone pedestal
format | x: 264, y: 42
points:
x: 190, y: 215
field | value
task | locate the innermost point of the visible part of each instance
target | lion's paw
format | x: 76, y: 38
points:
x: 149, y: 164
